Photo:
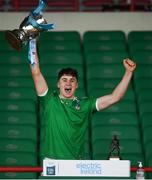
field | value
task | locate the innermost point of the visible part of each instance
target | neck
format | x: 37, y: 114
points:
x: 62, y: 97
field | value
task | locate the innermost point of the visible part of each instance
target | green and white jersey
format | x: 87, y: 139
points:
x: 65, y: 125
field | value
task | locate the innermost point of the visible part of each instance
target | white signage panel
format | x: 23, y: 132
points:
x: 105, y: 168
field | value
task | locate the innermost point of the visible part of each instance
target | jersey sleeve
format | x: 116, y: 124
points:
x: 43, y: 100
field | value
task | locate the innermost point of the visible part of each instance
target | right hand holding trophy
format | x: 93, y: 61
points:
x: 29, y: 28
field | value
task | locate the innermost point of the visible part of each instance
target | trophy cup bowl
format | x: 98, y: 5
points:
x: 18, y: 37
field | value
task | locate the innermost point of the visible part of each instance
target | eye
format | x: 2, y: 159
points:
x: 64, y: 80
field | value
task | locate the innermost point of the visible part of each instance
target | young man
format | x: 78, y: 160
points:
x: 66, y: 117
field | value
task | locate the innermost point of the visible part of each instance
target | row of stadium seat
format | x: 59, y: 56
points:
x: 100, y: 70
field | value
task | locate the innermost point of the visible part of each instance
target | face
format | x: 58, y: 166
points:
x: 67, y: 85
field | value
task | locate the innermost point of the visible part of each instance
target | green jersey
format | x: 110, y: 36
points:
x: 65, y: 125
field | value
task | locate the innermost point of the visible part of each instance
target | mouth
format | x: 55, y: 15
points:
x: 68, y: 90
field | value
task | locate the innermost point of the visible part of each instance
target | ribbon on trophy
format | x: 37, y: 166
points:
x: 36, y: 13
x: 32, y: 19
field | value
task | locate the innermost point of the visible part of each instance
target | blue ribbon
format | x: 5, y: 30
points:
x: 37, y: 12
x: 32, y: 20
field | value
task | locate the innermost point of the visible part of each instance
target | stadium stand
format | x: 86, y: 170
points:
x: 100, y: 70
x: 78, y: 5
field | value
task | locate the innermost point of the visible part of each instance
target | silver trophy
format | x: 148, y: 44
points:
x: 29, y: 28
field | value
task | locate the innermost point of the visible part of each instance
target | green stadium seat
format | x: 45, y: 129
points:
x: 122, y: 106
x: 2, y: 35
x: 98, y: 92
x: 147, y: 135
x: 5, y: 46
x: 102, y: 83
x: 59, y: 46
x: 146, y: 120
x: 149, y: 164
x: 140, y: 45
x: 15, y: 70
x: 14, y: 159
x: 104, y: 57
x: 27, y: 132
x: 60, y: 58
x: 14, y: 93
x: 104, y: 71
x: 16, y: 82
x: 17, y: 145
x: 142, y: 83
x: 18, y: 105
x: 124, y: 118
x: 139, y: 35
x: 60, y: 36
x: 104, y: 35
x: 144, y: 95
x: 144, y: 71
x: 142, y: 57
x: 148, y: 153
x: 107, y: 132
x: 18, y: 175
x: 96, y: 46
x: 145, y: 107
x: 13, y: 57
x: 18, y: 118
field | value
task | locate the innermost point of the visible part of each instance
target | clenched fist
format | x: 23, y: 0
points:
x: 129, y: 65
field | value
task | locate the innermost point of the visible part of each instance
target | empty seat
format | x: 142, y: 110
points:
x: 147, y: 135
x: 107, y: 132
x: 104, y: 36
x: 14, y: 93
x: 144, y: 71
x: 146, y: 120
x: 124, y: 118
x: 60, y: 36
x: 21, y: 118
x: 144, y: 95
x: 8, y: 70
x: 122, y: 106
x: 142, y: 83
x: 145, y: 107
x: 104, y: 46
x: 61, y: 58
x: 104, y: 71
x: 140, y: 45
x: 18, y: 105
x: 18, y: 159
x: 139, y: 35
x: 142, y: 57
x: 13, y: 57
x: 27, y: 132
x: 60, y: 46
x: 112, y: 57
x: 16, y: 82
x: 98, y: 92
x: 18, y: 145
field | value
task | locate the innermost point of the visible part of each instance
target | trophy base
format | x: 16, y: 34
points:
x: 13, y: 40
x: 114, y: 158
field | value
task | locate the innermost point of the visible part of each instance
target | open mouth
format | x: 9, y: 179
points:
x: 68, y: 90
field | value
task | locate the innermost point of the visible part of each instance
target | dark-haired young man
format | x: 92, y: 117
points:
x: 66, y: 116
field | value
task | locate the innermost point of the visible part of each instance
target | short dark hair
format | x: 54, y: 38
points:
x: 68, y: 71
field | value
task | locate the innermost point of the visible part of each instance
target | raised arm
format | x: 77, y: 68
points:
x: 107, y: 100
x: 39, y: 81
